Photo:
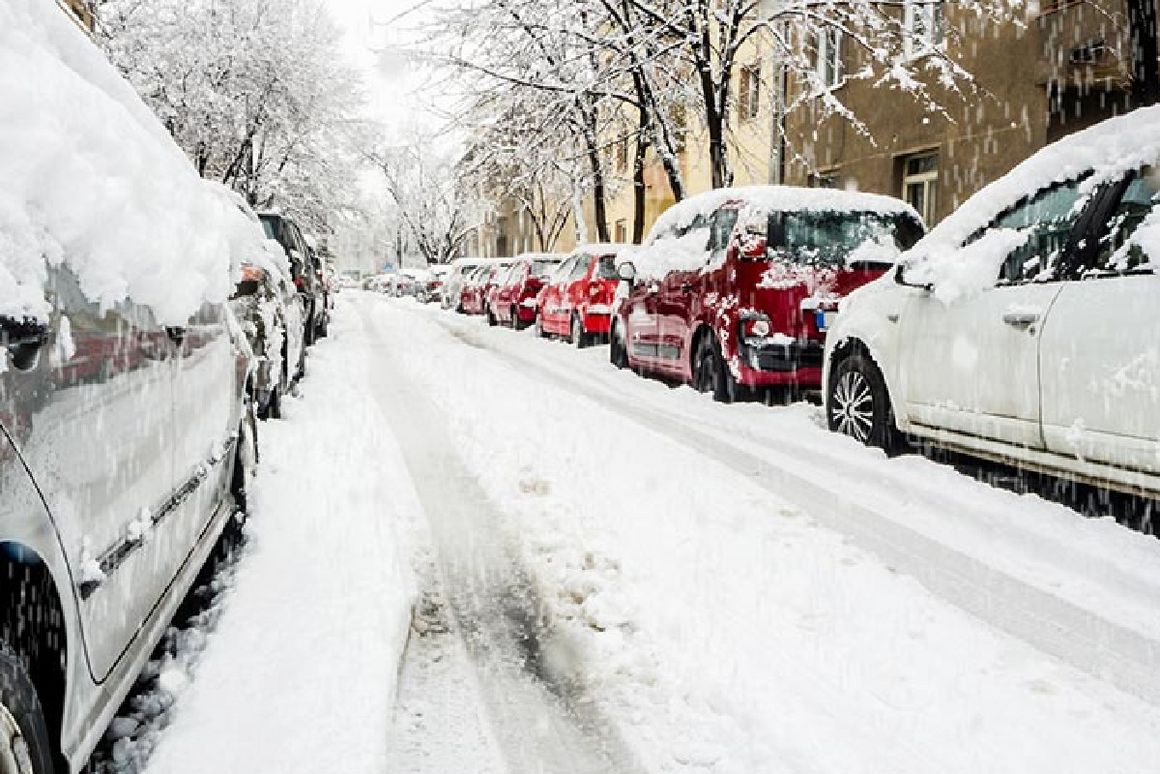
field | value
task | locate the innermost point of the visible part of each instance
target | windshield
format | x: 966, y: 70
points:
x: 837, y: 238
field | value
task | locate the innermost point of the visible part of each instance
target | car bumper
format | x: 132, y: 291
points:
x: 597, y: 322
x: 775, y: 364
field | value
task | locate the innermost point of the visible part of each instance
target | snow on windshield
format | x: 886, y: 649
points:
x: 93, y: 181
x: 1093, y: 157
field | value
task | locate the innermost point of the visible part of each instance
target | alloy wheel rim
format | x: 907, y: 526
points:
x: 853, y: 406
x: 14, y: 755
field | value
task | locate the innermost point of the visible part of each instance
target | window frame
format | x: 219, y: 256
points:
x: 828, y: 54
x: 928, y: 179
x: 933, y: 38
x: 749, y: 92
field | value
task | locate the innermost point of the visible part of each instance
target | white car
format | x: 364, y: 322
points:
x: 1024, y: 328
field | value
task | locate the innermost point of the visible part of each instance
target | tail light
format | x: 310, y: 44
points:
x: 253, y: 273
x: 300, y: 282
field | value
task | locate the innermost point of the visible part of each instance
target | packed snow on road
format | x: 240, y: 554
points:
x: 475, y: 550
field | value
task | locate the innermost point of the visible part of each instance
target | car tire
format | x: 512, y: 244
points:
x: 539, y: 324
x: 491, y: 319
x: 323, y: 329
x: 854, y: 382
x: 578, y: 338
x: 514, y: 320
x: 24, y: 740
x: 710, y: 372
x: 274, y: 407
x: 246, y: 458
x: 617, y: 347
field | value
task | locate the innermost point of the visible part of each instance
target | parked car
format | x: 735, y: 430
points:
x: 325, y: 286
x: 268, y: 307
x: 513, y: 299
x: 577, y: 300
x: 126, y: 434
x: 737, y: 288
x: 473, y: 296
x: 1023, y: 328
x: 305, y: 270
x: 459, y: 271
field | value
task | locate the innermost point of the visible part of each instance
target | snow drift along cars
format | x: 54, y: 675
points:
x: 577, y: 301
x: 738, y: 286
x: 125, y: 438
x: 1025, y: 328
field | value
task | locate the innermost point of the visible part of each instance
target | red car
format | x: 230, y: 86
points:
x: 513, y: 299
x: 577, y: 302
x: 738, y: 287
x: 473, y: 295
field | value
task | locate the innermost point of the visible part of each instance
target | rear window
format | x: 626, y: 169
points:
x: 836, y: 238
x: 606, y: 267
x: 544, y: 268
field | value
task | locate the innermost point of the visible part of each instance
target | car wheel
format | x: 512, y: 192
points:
x: 24, y: 740
x: 579, y: 338
x: 308, y: 333
x: 539, y: 323
x: 323, y: 329
x: 274, y: 407
x: 858, y: 404
x: 491, y: 320
x: 514, y: 320
x: 710, y: 373
x: 617, y: 347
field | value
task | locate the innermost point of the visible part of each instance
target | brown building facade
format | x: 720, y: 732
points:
x: 1034, y: 80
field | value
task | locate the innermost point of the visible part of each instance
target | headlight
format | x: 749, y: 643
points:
x: 758, y: 328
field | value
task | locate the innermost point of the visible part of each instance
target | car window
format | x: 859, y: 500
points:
x: 1115, y: 255
x: 580, y: 267
x: 720, y: 229
x: 606, y: 267
x: 544, y: 268
x: 1047, y: 220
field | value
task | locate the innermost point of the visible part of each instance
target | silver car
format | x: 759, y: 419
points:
x: 126, y: 435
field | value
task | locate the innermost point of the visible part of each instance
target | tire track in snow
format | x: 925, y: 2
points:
x: 1093, y: 644
x: 541, y: 717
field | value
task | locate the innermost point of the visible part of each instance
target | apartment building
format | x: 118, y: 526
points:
x: 1061, y: 66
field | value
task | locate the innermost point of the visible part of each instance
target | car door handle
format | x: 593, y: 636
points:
x: 1021, y: 319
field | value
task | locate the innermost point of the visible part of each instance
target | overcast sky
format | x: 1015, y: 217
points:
x: 375, y: 29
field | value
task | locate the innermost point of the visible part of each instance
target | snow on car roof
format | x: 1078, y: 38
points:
x: 602, y: 248
x: 93, y: 181
x: 248, y: 242
x: 1108, y: 150
x: 778, y: 197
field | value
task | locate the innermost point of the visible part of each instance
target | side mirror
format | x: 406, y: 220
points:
x: 900, y: 278
x: 23, y: 339
x: 626, y: 271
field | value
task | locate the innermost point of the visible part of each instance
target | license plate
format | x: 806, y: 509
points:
x: 825, y: 320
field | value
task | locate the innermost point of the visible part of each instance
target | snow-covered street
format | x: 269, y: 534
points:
x: 612, y: 575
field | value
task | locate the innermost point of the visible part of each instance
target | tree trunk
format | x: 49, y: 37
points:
x: 1145, y: 65
x: 639, y: 190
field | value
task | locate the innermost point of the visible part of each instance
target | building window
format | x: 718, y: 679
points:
x: 828, y: 57
x: 749, y: 92
x: 824, y: 180
x: 920, y: 184
x: 621, y: 231
x: 622, y: 154
x: 924, y: 23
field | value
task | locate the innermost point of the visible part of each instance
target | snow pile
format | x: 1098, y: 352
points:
x: 722, y: 626
x: 300, y: 673
x: 662, y: 254
x: 91, y: 179
x: 1108, y: 150
x: 243, y: 231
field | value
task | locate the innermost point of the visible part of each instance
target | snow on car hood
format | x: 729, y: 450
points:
x: 92, y: 180
x: 1109, y: 150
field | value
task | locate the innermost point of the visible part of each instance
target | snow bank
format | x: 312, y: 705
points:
x: 1108, y: 150
x: 91, y: 179
x: 722, y: 626
x: 300, y: 675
